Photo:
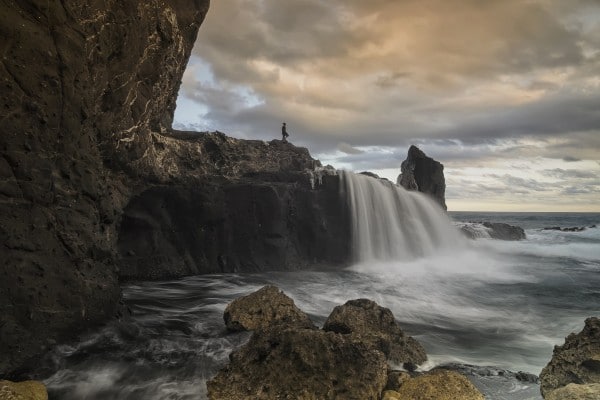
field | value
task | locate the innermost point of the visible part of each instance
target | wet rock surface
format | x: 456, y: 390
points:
x: 288, y: 358
x: 567, y: 229
x: 423, y: 174
x: 97, y: 188
x: 265, y: 309
x: 492, y: 230
x: 376, y: 326
x: 301, y: 364
x: 577, y: 362
x: 80, y: 80
x: 263, y: 221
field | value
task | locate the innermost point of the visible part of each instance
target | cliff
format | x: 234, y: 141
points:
x: 95, y: 186
x: 424, y: 174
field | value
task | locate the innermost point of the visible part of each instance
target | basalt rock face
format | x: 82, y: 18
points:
x: 575, y: 366
x: 83, y: 85
x: 424, y: 174
x: 264, y: 221
x: 95, y: 186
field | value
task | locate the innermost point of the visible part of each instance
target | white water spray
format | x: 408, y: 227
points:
x: 391, y: 223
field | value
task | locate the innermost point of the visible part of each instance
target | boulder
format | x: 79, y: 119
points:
x: 301, y: 364
x: 423, y: 174
x: 264, y: 309
x: 435, y: 385
x: 577, y: 361
x: 574, y: 391
x: 376, y: 326
x: 492, y: 230
x: 27, y: 390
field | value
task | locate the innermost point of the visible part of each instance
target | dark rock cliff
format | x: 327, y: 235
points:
x: 93, y: 180
x: 422, y: 173
x: 264, y: 221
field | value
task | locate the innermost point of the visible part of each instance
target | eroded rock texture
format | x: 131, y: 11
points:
x: 95, y: 186
x: 575, y: 366
x: 372, y: 324
x: 424, y: 174
x: 264, y: 309
x: 80, y: 81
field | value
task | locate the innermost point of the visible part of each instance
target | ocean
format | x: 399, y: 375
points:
x: 485, y: 306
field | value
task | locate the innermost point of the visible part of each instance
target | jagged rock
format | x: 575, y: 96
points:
x: 376, y: 326
x: 576, y: 361
x: 424, y: 174
x: 574, y: 391
x: 266, y: 308
x: 438, y: 385
x: 492, y: 230
x: 27, y: 390
x: 301, y: 364
x: 568, y: 229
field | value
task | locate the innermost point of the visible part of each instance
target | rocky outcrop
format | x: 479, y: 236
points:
x: 301, y: 364
x: 96, y: 188
x: 27, y: 390
x: 288, y: 358
x: 492, y: 230
x: 567, y: 229
x: 83, y: 84
x: 376, y: 325
x: 438, y: 385
x: 424, y: 174
x: 264, y: 309
x: 263, y: 221
x: 575, y: 366
x: 574, y: 391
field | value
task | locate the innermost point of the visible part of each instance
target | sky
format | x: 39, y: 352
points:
x: 504, y: 93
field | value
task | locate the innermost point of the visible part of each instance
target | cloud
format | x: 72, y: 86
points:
x: 348, y: 149
x: 570, y: 173
x: 474, y: 83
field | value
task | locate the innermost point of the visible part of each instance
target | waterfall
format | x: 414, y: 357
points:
x: 391, y: 223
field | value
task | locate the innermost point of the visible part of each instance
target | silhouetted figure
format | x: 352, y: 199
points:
x: 284, y: 134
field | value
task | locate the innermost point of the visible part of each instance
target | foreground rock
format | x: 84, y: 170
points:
x: 264, y: 309
x: 27, y: 390
x: 574, y: 391
x: 288, y: 358
x: 376, y: 325
x: 435, y: 385
x: 575, y: 366
x: 301, y: 364
x: 424, y: 174
x: 492, y: 230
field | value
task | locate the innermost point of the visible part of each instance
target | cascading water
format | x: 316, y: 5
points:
x: 391, y: 223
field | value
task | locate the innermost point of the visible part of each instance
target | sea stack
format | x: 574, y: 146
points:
x: 424, y: 174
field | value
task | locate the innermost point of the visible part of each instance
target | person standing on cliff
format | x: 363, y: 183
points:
x: 284, y: 133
